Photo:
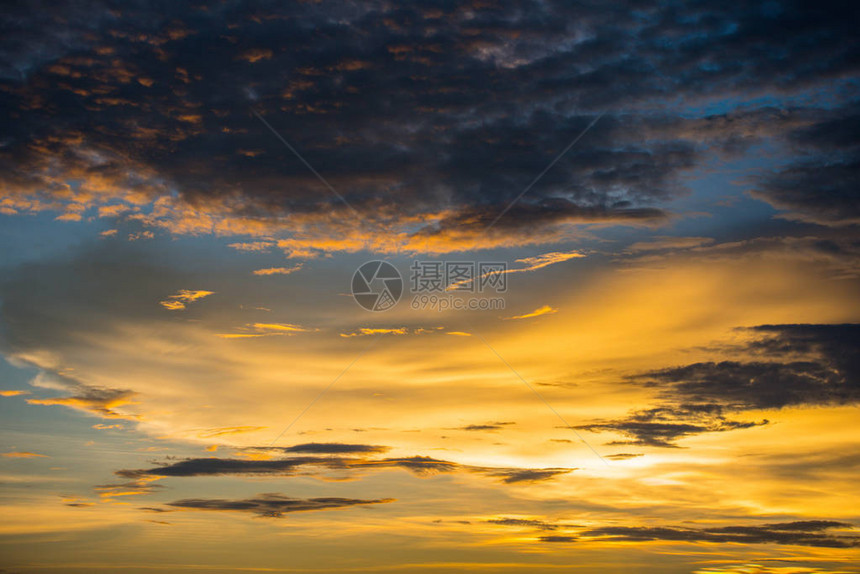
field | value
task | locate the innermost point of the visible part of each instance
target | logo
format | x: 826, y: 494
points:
x: 377, y: 285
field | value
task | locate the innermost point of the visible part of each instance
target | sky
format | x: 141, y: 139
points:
x: 421, y: 287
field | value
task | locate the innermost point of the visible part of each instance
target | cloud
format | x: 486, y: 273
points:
x: 749, y: 568
x: 260, y: 246
x: 832, y: 256
x: 524, y: 523
x: 278, y: 270
x: 13, y: 393
x: 807, y: 365
x: 340, y: 458
x: 813, y: 533
x: 543, y: 310
x: 272, y: 505
x: 136, y: 487
x: 819, y: 186
x: 253, y: 330
x: 622, y: 456
x: 168, y: 144
x: 104, y: 402
x: 666, y: 243
x: 531, y: 264
x: 228, y: 431
x: 22, y: 455
x: 183, y: 297
x: 800, y: 365
x: 335, y: 448
x: 366, y: 331
x: 545, y: 260
x: 511, y: 476
x: 487, y: 427
x: 661, y: 427
x: 279, y: 327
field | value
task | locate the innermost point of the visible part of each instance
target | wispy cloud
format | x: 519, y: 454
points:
x: 103, y: 402
x: 273, y: 505
x: 279, y: 270
x: 228, y: 431
x: 544, y: 310
x: 23, y: 454
x: 260, y: 246
x: 814, y: 533
x: 545, y: 260
x: 366, y: 331
x: 530, y: 264
x: 319, y: 459
x: 253, y: 330
x: 664, y: 243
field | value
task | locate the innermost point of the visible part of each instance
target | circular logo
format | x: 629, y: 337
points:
x: 377, y: 285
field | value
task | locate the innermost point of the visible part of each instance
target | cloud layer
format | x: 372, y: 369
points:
x: 428, y: 119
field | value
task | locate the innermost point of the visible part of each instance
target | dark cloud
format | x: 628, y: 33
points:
x: 815, y: 533
x: 317, y: 465
x: 510, y: 476
x: 222, y: 466
x: 335, y: 448
x: 821, y: 185
x: 423, y: 115
x: 556, y: 538
x: 807, y: 365
x: 835, y: 255
x: 526, y: 523
x: 661, y: 427
x: 272, y: 505
x: 811, y: 467
x: 804, y: 533
x: 101, y: 401
x: 486, y: 427
x: 800, y: 365
x: 622, y: 456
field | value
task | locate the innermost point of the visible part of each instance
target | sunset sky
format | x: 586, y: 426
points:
x: 668, y: 383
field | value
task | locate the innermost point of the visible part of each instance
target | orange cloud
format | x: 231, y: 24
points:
x: 545, y: 260
x: 13, y: 393
x: 184, y: 296
x: 280, y: 327
x: 265, y: 330
x: 545, y: 310
x: 252, y: 246
x: 227, y: 431
x: 255, y: 55
x: 532, y: 264
x: 278, y: 270
x: 23, y: 455
x: 364, y: 331
x: 102, y: 402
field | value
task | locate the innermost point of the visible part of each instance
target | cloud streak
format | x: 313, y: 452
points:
x: 273, y: 505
